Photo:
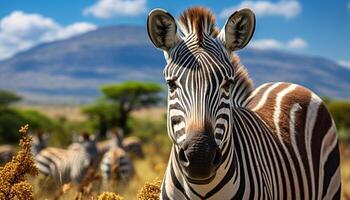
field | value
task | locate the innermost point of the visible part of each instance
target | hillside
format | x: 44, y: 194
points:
x: 72, y: 70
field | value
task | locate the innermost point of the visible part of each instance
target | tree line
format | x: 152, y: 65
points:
x: 112, y: 109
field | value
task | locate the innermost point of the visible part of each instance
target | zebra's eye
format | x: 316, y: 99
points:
x: 172, y: 85
x: 227, y: 84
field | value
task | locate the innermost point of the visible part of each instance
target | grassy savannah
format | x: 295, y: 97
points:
x: 149, y: 170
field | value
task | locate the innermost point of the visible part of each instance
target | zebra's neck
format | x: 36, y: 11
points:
x: 243, y: 85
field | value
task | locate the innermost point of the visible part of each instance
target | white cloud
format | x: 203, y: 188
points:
x: 20, y: 31
x: 266, y: 44
x: 344, y: 63
x: 295, y: 43
x: 284, y: 8
x: 112, y: 8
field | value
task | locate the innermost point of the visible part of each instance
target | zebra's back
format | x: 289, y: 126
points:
x: 133, y: 146
x: 61, y: 164
x: 103, y: 146
x: 306, y: 137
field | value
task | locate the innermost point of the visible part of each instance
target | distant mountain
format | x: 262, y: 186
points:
x: 72, y: 70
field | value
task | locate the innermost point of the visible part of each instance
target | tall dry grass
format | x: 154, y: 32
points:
x: 144, y: 185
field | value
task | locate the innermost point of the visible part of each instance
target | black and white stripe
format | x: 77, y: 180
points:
x: 68, y: 165
x: 39, y: 142
x: 133, y: 146
x: 116, y: 165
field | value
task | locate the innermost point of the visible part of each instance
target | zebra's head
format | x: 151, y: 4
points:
x: 200, y: 76
x: 88, y: 148
x: 115, y: 136
x: 39, y: 142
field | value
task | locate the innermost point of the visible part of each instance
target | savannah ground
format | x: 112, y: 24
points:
x: 153, y: 166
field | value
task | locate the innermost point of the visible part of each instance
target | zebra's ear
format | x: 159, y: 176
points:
x: 162, y: 29
x: 45, y: 136
x: 92, y: 138
x: 238, y: 30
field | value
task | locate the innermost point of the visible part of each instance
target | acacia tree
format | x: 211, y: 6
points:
x: 7, y: 97
x: 132, y: 95
x: 104, y: 113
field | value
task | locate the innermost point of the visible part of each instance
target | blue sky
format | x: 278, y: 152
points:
x: 302, y: 26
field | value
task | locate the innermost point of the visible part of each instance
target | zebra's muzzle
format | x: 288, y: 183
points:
x: 199, y: 157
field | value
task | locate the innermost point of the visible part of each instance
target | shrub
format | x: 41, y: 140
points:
x: 10, y: 120
x: 340, y: 111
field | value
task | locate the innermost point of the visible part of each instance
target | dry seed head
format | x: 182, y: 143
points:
x: 13, y: 174
x: 109, y: 196
x: 150, y: 191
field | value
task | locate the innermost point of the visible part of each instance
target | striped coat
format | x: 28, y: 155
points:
x: 116, y: 165
x: 6, y: 153
x: 39, y: 143
x: 133, y: 146
x: 67, y: 165
x: 229, y: 140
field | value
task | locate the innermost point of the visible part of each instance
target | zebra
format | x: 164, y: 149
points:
x: 6, y: 153
x: 229, y: 140
x: 133, y: 146
x: 68, y: 165
x: 115, y: 139
x: 39, y: 142
x: 116, y: 165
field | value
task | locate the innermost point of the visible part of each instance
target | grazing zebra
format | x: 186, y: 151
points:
x: 116, y: 165
x: 6, y: 153
x: 230, y: 141
x: 68, y: 165
x: 114, y: 140
x: 133, y: 146
x: 39, y: 142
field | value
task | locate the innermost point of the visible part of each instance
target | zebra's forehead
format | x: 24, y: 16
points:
x: 206, y: 60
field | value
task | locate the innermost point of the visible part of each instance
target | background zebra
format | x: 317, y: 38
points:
x: 133, y: 146
x: 6, y: 153
x: 230, y: 142
x: 116, y: 165
x: 39, y: 142
x: 115, y: 139
x: 68, y: 165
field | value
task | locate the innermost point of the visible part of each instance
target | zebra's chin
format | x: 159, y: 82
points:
x: 200, y: 181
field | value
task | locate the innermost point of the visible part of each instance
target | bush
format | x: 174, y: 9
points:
x: 340, y: 111
x: 152, y: 132
x: 37, y: 120
x: 8, y: 97
x: 11, y: 119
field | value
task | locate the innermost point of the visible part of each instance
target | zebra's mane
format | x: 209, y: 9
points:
x: 243, y: 85
x: 198, y: 20
x: 201, y: 21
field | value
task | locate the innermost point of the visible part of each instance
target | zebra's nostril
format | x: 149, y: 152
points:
x: 183, y: 159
